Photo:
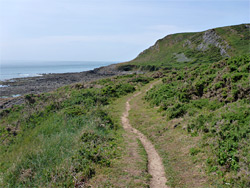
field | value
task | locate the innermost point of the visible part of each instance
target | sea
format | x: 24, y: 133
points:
x: 19, y: 69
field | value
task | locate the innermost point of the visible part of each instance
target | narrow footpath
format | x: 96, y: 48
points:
x: 155, y: 165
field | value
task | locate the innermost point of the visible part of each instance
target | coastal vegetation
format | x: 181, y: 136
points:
x: 60, y: 138
x: 186, y: 49
x: 196, y: 114
x: 212, y: 101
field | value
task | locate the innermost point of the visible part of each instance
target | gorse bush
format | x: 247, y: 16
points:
x: 230, y: 124
x: 214, y: 99
x: 177, y: 110
x: 117, y: 90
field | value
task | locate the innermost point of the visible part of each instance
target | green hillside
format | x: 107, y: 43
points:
x: 61, y: 139
x: 212, y: 101
x: 189, y: 48
x: 193, y: 105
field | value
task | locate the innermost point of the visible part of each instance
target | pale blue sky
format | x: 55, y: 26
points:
x: 104, y: 30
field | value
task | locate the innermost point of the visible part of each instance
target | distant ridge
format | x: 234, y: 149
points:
x: 197, y: 47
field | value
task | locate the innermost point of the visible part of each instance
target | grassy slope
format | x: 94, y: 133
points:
x: 214, y: 102
x: 62, y: 138
x: 235, y: 40
x: 130, y: 168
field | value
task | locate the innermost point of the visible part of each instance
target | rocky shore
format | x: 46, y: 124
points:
x: 14, y: 89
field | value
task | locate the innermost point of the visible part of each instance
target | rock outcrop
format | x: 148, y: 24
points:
x: 210, y: 37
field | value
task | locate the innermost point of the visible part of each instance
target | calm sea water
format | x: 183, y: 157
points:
x: 18, y: 69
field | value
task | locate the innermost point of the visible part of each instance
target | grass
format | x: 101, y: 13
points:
x: 214, y: 102
x: 197, y: 118
x: 162, y: 55
x: 63, y: 138
x: 173, y: 144
x: 130, y: 168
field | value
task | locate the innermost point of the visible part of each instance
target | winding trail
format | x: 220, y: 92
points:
x: 155, y: 166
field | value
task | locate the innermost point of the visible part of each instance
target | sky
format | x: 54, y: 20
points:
x: 104, y: 30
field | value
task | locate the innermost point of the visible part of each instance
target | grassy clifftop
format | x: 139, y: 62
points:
x: 189, y: 48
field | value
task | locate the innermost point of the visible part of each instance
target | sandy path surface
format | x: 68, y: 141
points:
x: 155, y: 166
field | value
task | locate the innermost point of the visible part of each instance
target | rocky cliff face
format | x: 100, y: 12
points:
x: 210, y: 37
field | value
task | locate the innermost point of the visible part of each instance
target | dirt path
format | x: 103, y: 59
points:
x: 155, y: 166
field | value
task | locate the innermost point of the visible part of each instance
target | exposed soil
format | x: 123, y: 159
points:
x: 155, y: 165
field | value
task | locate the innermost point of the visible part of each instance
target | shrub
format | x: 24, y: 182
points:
x: 143, y: 80
x: 74, y: 110
x: 218, y: 85
x: 236, y: 77
x: 126, y: 67
x: 30, y: 99
x: 199, y: 86
x: 194, y: 151
x: 178, y: 110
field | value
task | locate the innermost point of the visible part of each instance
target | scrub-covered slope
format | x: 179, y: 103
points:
x: 61, y: 139
x: 199, y: 47
x: 214, y: 102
